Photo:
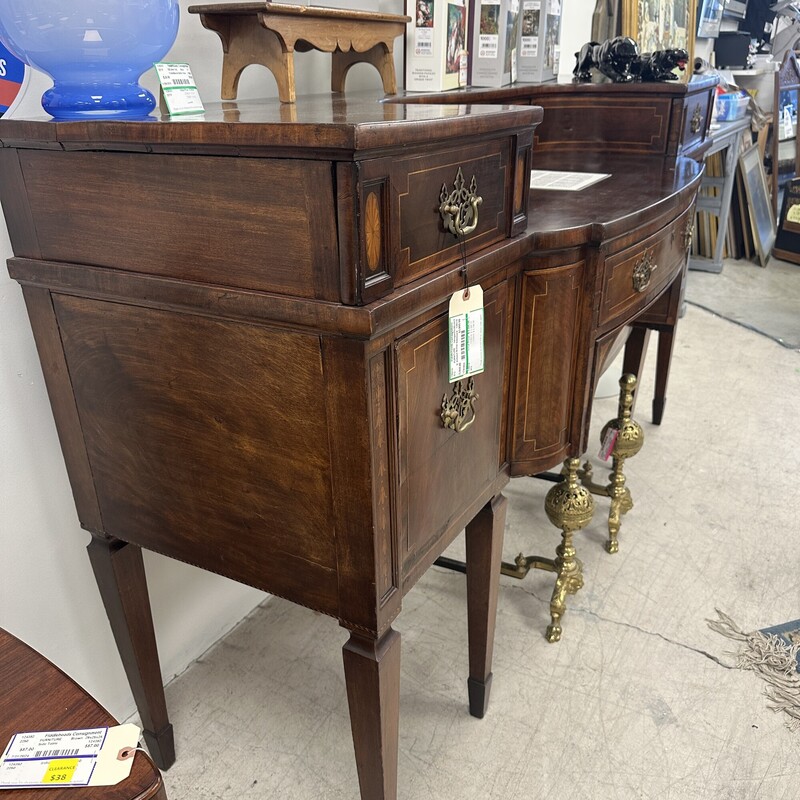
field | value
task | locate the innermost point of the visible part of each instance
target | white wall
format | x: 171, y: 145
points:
x: 47, y: 593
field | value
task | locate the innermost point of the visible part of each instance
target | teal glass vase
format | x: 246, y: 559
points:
x: 94, y: 50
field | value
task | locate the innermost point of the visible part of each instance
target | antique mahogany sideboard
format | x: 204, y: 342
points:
x: 242, y: 323
x: 647, y: 119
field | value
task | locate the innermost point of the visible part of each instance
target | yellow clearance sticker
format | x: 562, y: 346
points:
x: 60, y: 770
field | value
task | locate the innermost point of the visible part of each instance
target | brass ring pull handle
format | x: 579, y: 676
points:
x: 642, y: 272
x: 459, y: 207
x: 458, y: 411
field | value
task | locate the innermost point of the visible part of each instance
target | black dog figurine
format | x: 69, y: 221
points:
x: 617, y: 59
x: 659, y: 66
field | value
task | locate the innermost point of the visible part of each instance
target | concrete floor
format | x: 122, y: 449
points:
x: 639, y: 699
x: 765, y: 300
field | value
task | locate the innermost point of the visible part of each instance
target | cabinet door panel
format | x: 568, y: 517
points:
x: 441, y: 470
x: 215, y: 452
x: 546, y: 367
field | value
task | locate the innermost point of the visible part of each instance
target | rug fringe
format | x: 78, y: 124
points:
x: 773, y: 659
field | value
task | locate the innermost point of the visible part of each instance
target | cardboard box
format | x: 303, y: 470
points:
x: 436, y: 57
x: 539, y: 48
x: 494, y: 30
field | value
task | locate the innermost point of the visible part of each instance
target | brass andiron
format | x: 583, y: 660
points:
x: 628, y: 442
x: 568, y: 506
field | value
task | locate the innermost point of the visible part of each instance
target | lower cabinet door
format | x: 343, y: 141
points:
x: 547, y: 372
x: 443, y: 470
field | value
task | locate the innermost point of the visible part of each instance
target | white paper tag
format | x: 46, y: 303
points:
x: 466, y: 333
x: 180, y: 93
x: 608, y: 443
x: 91, y: 757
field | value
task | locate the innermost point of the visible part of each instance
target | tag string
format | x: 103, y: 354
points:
x: 462, y: 243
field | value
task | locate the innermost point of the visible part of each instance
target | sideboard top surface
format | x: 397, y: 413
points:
x: 521, y: 90
x: 639, y: 189
x: 320, y: 124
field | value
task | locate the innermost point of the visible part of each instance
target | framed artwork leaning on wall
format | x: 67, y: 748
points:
x: 661, y: 25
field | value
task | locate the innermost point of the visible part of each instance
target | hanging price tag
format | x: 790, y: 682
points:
x: 90, y: 757
x: 466, y: 333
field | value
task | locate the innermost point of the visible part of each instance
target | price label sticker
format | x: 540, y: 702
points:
x: 607, y: 445
x: 87, y: 757
x: 179, y: 90
x: 465, y: 341
x: 61, y: 770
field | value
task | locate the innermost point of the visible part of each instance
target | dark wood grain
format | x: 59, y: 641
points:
x: 484, y: 540
x: 551, y: 317
x: 372, y: 673
x: 264, y: 401
x: 440, y: 470
x: 59, y: 389
x: 203, y: 446
x: 643, y: 118
x: 37, y: 696
x: 119, y: 572
x: 318, y: 127
x: 182, y: 212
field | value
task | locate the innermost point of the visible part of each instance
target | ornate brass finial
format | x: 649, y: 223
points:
x: 458, y: 411
x: 629, y: 438
x: 568, y: 506
x: 459, y: 208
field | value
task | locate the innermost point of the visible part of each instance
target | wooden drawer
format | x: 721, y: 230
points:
x: 402, y: 234
x: 696, y: 119
x: 174, y: 217
x: 635, y: 276
x: 441, y: 470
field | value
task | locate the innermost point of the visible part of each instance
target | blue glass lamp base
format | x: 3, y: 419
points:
x: 92, y: 101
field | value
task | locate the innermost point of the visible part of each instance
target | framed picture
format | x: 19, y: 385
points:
x: 709, y: 18
x: 759, y: 206
x: 661, y: 25
x: 787, y: 240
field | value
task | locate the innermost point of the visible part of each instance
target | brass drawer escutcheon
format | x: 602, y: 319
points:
x: 458, y: 411
x: 697, y: 119
x: 459, y: 208
x: 643, y: 271
x: 688, y: 231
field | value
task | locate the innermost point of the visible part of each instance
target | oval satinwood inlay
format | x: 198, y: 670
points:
x: 372, y: 231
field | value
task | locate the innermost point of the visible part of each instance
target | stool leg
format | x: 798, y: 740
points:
x: 380, y: 56
x: 245, y: 42
x: 569, y: 506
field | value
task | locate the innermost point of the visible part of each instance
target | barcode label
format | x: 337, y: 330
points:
x: 56, y: 753
x: 181, y: 82
x: 465, y: 334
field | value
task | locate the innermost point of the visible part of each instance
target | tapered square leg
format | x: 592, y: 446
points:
x: 635, y: 354
x: 666, y: 340
x: 372, y: 674
x: 119, y: 572
x: 484, y: 537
